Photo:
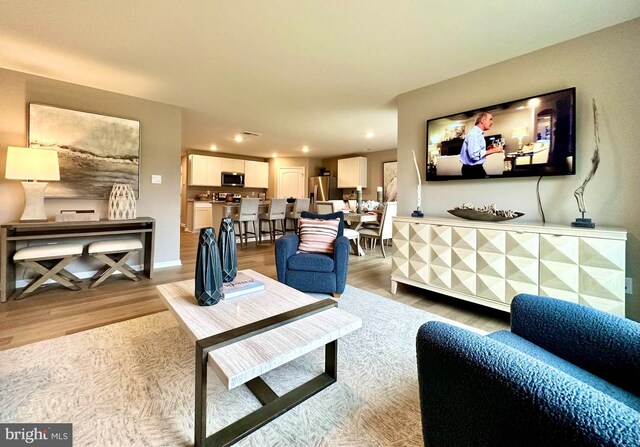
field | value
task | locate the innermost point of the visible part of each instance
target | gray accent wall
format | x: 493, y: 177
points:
x: 603, y: 65
x: 160, y: 127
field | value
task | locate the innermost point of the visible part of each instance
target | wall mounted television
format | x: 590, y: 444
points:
x: 537, y: 134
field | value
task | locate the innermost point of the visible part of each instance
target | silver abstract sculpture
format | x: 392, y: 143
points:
x: 417, y: 212
x: 595, y: 161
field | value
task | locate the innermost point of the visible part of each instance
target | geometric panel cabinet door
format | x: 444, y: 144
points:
x: 401, y: 246
x: 491, y: 259
x: 439, y: 247
x: 522, y: 266
x: 601, y: 275
x: 463, y: 259
x: 559, y: 267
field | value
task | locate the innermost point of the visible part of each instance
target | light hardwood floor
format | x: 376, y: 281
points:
x: 58, y: 311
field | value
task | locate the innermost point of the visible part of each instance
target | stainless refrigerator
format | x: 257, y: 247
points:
x: 323, y: 188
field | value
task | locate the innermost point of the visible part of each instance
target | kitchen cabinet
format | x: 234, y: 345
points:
x: 204, y: 170
x: 489, y: 263
x: 352, y: 172
x: 232, y: 165
x: 256, y: 174
x: 199, y: 215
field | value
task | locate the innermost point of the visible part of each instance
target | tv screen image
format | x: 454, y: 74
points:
x: 536, y: 134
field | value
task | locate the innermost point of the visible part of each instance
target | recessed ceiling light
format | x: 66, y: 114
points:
x: 369, y: 134
x: 305, y: 148
x: 238, y: 138
x: 274, y: 155
x: 213, y: 147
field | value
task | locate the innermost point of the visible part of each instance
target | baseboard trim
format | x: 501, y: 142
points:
x: 20, y: 283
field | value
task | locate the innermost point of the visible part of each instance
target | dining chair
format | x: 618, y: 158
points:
x: 324, y: 207
x: 248, y: 213
x: 276, y: 212
x: 299, y: 206
x: 385, y: 230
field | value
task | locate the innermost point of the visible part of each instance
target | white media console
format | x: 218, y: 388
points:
x: 490, y: 262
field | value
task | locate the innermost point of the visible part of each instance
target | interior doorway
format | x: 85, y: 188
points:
x: 291, y: 182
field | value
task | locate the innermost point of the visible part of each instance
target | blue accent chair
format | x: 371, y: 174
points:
x: 314, y: 272
x: 565, y: 375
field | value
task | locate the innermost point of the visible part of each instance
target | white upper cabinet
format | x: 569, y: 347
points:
x: 352, y: 172
x: 256, y: 174
x: 204, y: 170
x: 232, y: 165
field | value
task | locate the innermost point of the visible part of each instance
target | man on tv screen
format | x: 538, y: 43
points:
x: 474, y: 148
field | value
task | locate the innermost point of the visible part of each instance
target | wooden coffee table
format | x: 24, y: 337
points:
x: 244, y: 337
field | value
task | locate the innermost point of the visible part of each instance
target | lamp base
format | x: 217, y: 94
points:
x: 417, y: 213
x: 583, y: 223
x: 34, y: 202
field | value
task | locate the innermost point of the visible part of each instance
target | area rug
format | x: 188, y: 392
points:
x: 131, y: 384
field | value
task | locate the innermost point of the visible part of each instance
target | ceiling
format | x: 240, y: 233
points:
x: 319, y: 73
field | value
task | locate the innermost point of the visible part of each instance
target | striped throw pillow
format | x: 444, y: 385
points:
x: 317, y: 235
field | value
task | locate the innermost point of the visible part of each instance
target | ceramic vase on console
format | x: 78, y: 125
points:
x: 209, y: 282
x: 227, y: 249
x: 122, y: 202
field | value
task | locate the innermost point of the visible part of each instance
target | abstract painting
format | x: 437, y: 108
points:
x: 390, y: 181
x: 94, y: 151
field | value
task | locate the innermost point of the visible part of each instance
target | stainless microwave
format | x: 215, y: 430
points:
x: 232, y: 179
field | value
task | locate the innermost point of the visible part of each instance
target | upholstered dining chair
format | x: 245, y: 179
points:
x: 276, y: 212
x: 338, y: 206
x: 248, y: 213
x: 299, y: 206
x: 385, y: 230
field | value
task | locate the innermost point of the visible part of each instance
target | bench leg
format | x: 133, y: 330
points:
x: 52, y: 273
x: 115, y: 265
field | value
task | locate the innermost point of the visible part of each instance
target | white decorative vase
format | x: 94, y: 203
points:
x: 122, y: 202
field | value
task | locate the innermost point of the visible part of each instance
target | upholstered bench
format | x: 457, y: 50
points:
x: 33, y: 258
x: 114, y: 254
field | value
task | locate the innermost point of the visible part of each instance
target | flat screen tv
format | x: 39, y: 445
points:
x: 537, y: 136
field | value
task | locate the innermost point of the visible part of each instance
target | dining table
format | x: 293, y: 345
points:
x: 357, y: 220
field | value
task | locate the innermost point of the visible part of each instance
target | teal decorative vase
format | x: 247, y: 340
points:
x: 208, y: 269
x: 227, y: 249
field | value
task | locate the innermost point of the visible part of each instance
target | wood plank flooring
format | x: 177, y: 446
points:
x: 57, y: 311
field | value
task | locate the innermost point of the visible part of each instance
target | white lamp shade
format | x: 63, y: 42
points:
x: 519, y: 132
x: 25, y: 163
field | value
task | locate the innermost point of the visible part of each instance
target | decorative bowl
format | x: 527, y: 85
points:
x: 480, y: 215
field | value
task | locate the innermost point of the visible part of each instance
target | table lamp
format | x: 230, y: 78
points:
x: 32, y: 165
x: 519, y: 133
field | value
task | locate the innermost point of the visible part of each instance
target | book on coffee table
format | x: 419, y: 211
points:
x: 241, y: 285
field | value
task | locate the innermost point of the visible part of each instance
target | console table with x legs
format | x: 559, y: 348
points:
x: 14, y: 232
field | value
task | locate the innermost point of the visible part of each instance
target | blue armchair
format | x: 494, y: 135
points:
x: 565, y: 374
x: 314, y: 272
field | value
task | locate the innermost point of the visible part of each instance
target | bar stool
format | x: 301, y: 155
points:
x: 299, y: 206
x: 33, y: 258
x: 277, y: 209
x: 248, y: 213
x: 114, y: 254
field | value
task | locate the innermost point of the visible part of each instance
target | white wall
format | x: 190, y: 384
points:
x: 604, y: 65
